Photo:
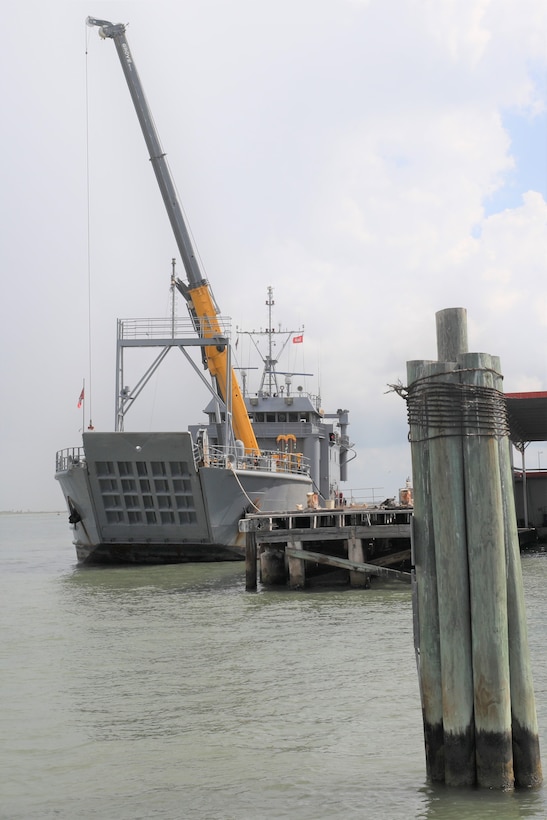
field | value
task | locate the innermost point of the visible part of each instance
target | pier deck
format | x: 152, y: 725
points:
x: 294, y: 547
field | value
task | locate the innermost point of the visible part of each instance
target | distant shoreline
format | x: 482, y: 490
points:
x: 31, y: 512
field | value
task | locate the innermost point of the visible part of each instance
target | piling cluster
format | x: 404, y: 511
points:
x: 478, y: 703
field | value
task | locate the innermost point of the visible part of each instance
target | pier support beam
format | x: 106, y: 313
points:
x: 251, y: 570
x: 272, y: 566
x: 297, y: 569
x: 355, y: 553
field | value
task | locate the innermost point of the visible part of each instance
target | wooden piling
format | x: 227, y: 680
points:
x: 449, y: 525
x: 526, y: 752
x: 465, y: 534
x: 425, y: 599
x: 451, y: 333
x: 488, y: 586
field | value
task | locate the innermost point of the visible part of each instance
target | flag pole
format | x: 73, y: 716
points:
x: 83, y: 406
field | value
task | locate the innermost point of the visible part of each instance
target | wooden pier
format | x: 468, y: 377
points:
x: 298, y: 548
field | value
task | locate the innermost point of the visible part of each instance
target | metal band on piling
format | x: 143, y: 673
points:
x: 458, y: 409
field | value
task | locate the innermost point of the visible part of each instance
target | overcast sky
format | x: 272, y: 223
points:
x: 374, y: 161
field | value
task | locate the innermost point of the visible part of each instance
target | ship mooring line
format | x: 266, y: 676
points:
x: 243, y: 490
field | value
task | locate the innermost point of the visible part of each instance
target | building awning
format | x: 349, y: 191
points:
x: 527, y: 416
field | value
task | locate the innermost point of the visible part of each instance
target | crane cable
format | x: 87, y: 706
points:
x: 88, y: 204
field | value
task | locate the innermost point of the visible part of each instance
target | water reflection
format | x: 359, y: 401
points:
x: 445, y: 803
x: 191, y: 578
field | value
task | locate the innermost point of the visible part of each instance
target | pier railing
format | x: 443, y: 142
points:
x: 332, y: 523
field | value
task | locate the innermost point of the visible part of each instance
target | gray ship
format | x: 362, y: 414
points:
x: 172, y: 497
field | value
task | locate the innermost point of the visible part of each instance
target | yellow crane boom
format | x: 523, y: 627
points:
x: 201, y: 303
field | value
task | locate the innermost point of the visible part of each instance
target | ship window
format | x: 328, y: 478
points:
x: 167, y: 517
x: 105, y: 468
x: 108, y: 485
x: 125, y: 468
x: 142, y: 468
x: 114, y: 517
x: 182, y: 485
x: 187, y: 518
x: 158, y: 468
x: 183, y: 502
x: 270, y: 416
x: 151, y: 517
x: 164, y: 502
x: 111, y: 501
x: 131, y: 501
x: 148, y: 502
x: 134, y: 517
x: 128, y: 485
x: 161, y: 485
x: 144, y: 485
x: 178, y: 467
x: 293, y: 416
x: 259, y: 416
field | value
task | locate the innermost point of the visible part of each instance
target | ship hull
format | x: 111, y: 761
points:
x: 140, y: 498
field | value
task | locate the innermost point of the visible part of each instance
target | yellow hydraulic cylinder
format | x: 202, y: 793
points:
x: 217, y: 363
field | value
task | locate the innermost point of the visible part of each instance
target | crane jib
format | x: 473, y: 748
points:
x: 198, y: 292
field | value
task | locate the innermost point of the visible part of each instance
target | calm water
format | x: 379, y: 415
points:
x: 173, y: 693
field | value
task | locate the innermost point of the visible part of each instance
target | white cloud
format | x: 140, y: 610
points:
x: 340, y: 151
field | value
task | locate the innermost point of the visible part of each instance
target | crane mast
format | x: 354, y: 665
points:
x: 201, y: 303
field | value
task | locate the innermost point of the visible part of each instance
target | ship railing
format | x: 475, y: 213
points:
x: 272, y: 461
x: 172, y: 327
x: 69, y: 457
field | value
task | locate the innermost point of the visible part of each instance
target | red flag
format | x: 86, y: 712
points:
x: 80, y: 400
x: 296, y: 340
